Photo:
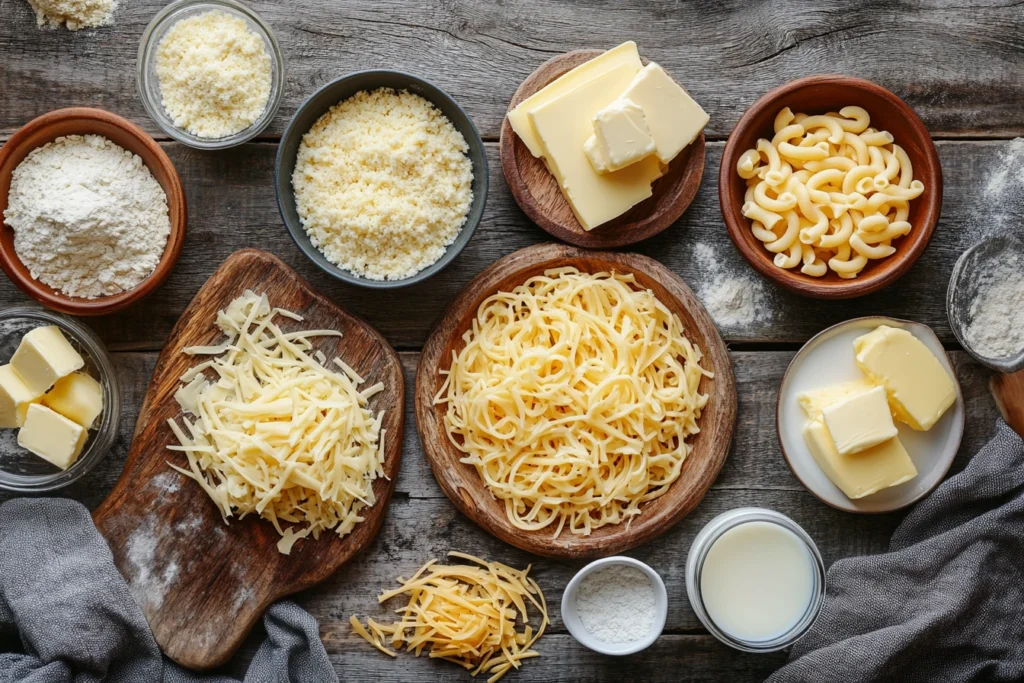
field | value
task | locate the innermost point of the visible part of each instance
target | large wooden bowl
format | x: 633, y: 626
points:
x: 537, y: 193
x: 86, y: 121
x: 816, y: 95
x: 463, y: 485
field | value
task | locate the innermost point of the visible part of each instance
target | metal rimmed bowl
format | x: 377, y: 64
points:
x: 339, y: 90
x: 148, y: 83
x: 27, y: 473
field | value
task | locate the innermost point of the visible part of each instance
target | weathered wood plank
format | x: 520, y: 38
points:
x: 232, y: 205
x: 727, y: 54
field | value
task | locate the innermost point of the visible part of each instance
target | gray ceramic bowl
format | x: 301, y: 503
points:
x: 316, y: 106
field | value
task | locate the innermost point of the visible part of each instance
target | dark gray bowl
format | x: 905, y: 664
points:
x: 328, y: 96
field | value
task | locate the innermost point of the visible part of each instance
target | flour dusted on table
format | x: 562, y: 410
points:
x: 89, y: 218
x: 616, y: 604
x: 734, y: 299
x: 74, y: 14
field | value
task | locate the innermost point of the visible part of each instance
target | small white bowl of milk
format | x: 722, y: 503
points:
x: 755, y: 579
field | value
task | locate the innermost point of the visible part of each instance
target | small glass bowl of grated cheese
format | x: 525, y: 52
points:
x: 210, y: 73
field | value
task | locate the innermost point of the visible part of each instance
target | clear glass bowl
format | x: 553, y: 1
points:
x: 24, y: 472
x: 149, y: 85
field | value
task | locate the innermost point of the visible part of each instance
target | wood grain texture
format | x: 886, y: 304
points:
x: 1008, y: 391
x: 231, y: 206
x: 201, y: 585
x: 818, y: 95
x: 461, y: 482
x: 537, y: 193
x: 726, y: 53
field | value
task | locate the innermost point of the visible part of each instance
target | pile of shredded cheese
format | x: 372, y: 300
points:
x: 277, y: 433
x: 465, y: 614
x: 383, y: 184
x: 74, y: 14
x: 573, y: 397
x: 214, y: 74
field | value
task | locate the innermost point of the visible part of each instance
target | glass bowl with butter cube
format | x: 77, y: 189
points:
x: 60, y: 403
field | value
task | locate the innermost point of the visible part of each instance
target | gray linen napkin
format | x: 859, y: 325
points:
x: 62, y: 596
x: 946, y: 603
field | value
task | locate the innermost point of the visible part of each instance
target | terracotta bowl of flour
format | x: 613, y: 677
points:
x: 86, y: 121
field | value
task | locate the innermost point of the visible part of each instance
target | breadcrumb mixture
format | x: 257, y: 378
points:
x: 383, y: 184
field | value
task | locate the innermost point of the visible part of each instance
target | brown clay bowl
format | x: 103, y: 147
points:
x: 819, y: 94
x: 88, y: 121
x: 461, y: 482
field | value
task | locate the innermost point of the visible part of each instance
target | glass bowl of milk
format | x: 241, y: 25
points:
x: 755, y: 579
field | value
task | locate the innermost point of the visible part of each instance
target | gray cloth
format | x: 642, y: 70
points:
x: 946, y: 603
x: 62, y: 597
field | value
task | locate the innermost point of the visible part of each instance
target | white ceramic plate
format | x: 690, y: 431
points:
x: 828, y: 359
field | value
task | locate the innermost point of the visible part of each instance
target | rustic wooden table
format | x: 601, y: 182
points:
x: 961, y: 67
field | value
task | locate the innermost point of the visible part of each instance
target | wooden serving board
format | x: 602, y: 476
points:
x: 466, y: 489
x: 201, y: 584
x: 538, y: 195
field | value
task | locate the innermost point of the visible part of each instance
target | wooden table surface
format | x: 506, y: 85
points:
x: 960, y: 65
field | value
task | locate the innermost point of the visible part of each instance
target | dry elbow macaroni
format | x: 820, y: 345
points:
x: 828, y: 192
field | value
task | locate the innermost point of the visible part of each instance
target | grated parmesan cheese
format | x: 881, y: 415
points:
x: 74, y: 14
x: 214, y: 74
x: 383, y: 184
x: 278, y: 433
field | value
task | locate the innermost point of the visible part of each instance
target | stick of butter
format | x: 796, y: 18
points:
x: 15, y: 397
x: 864, y: 473
x: 860, y: 421
x: 43, y: 357
x: 919, y: 388
x: 620, y: 138
x: 814, y: 401
x: 51, y: 436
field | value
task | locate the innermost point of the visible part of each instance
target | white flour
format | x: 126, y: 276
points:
x: 89, y: 219
x: 733, y: 300
x: 1008, y: 173
x: 996, y: 327
x: 75, y: 14
x: 616, y: 604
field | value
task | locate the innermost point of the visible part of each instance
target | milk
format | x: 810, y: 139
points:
x: 757, y: 581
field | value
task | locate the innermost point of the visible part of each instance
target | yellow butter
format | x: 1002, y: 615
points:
x: 918, y: 386
x: 563, y: 126
x: 864, y: 473
x: 813, y: 402
x: 43, y: 357
x: 625, y: 54
x: 15, y: 398
x: 672, y: 116
x: 51, y: 436
x: 860, y: 421
x: 77, y: 397
x: 620, y: 138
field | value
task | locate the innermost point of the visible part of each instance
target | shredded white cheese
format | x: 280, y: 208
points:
x: 276, y: 432
x: 74, y: 14
x: 214, y: 74
x: 383, y: 184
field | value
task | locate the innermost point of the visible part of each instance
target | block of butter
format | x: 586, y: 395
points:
x: 813, y: 402
x: 51, y: 436
x: 623, y: 55
x: 563, y: 125
x: 918, y: 386
x: 864, y: 473
x: 620, y: 138
x: 673, y: 118
x: 77, y: 397
x: 15, y: 397
x: 43, y: 357
x: 860, y: 421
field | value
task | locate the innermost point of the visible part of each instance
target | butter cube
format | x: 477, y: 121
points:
x: 813, y: 402
x: 864, y: 473
x: 563, y: 126
x: 620, y: 138
x: 77, y: 397
x: 15, y: 398
x: 43, y: 357
x: 860, y: 421
x: 673, y: 118
x: 51, y: 436
x: 919, y: 388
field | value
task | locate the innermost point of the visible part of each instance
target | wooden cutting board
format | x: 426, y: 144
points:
x: 201, y: 584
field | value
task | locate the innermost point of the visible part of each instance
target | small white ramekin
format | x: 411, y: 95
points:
x: 571, y: 618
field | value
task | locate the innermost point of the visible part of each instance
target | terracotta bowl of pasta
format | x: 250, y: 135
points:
x: 830, y: 186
